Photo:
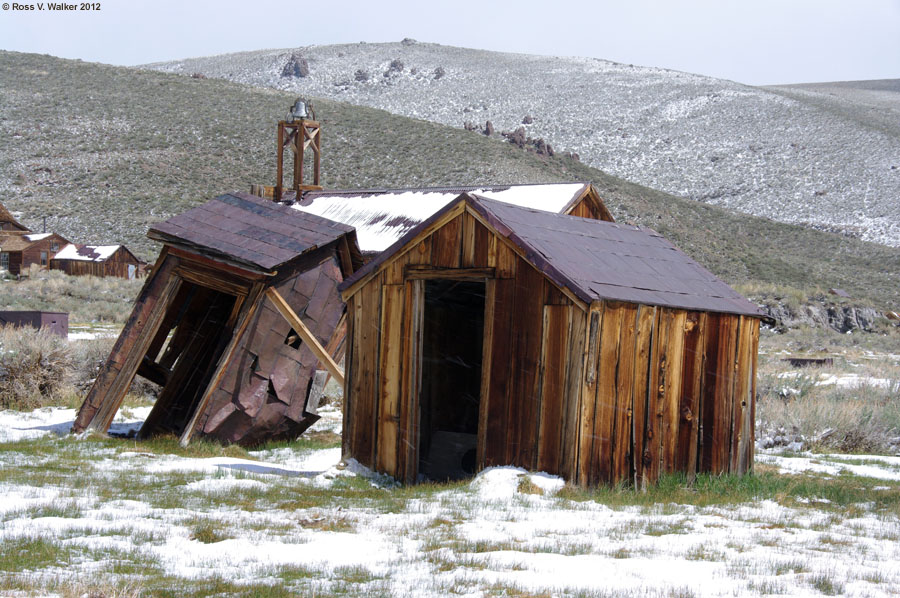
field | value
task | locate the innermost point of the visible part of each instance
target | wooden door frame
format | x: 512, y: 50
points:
x: 415, y: 279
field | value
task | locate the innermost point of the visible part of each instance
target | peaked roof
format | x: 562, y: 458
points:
x: 6, y: 216
x: 242, y: 228
x: 596, y: 260
x: 88, y: 253
x: 382, y: 216
x: 21, y: 240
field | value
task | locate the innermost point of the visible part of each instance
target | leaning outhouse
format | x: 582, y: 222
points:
x: 233, y: 323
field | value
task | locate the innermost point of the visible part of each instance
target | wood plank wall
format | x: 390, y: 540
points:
x: 666, y: 390
x: 621, y: 393
x: 116, y: 265
x: 531, y: 329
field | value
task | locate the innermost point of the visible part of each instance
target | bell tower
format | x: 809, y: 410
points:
x: 300, y: 132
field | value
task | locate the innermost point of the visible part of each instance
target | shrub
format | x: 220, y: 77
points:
x: 35, y: 368
x: 860, y: 417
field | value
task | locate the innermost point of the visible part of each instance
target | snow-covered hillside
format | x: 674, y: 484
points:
x: 772, y: 152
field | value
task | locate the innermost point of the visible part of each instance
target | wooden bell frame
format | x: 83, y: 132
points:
x: 300, y: 136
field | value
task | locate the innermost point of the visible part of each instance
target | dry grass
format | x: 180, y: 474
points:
x: 35, y: 368
x: 861, y: 414
x: 85, y: 298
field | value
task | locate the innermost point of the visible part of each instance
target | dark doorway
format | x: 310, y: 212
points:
x: 452, y: 337
x: 184, y: 354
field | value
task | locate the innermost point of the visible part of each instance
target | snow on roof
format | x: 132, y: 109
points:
x: 86, y: 253
x: 38, y: 236
x: 382, y: 216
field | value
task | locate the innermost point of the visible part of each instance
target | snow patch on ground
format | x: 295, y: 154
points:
x: 18, y: 425
x: 867, y: 466
x: 492, y: 535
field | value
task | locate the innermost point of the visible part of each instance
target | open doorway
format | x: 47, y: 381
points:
x: 183, y: 355
x: 450, y: 395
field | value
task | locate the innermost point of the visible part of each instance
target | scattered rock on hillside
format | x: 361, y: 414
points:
x: 520, y: 139
x: 361, y: 75
x: 842, y: 318
x: 527, y: 120
x: 395, y: 68
x: 296, y: 66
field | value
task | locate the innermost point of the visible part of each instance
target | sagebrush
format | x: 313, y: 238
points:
x: 36, y: 368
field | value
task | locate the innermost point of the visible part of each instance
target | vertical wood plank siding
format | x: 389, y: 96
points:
x: 617, y: 392
x: 554, y: 357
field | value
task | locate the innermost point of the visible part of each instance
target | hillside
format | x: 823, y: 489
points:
x: 104, y: 151
x: 776, y: 153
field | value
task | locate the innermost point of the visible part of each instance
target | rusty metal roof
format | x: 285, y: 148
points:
x: 381, y: 216
x: 251, y: 231
x: 598, y: 260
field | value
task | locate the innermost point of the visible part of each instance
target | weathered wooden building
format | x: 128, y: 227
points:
x: 382, y: 216
x: 9, y: 223
x: 98, y: 260
x: 216, y: 324
x: 492, y: 334
x: 20, y: 250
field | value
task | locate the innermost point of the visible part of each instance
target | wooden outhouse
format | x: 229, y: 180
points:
x: 232, y: 323
x: 492, y: 334
x: 20, y: 250
x: 98, y: 260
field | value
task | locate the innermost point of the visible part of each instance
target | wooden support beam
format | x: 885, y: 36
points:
x: 153, y: 372
x: 425, y: 272
x: 300, y: 328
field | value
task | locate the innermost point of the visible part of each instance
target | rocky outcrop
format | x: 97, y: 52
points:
x: 520, y: 139
x: 296, y: 66
x: 843, y: 318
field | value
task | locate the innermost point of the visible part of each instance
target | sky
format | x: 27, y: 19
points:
x: 757, y: 42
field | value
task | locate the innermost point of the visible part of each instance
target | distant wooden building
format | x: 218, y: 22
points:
x: 492, y: 334
x: 382, y: 216
x: 8, y: 223
x: 98, y: 260
x: 216, y: 324
x: 20, y: 250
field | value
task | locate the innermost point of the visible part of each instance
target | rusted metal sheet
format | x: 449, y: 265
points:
x: 54, y: 321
